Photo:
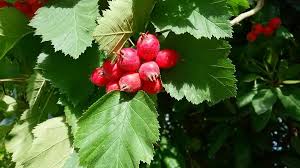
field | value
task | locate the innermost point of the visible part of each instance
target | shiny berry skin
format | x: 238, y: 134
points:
x: 258, y: 29
x: 152, y: 87
x: 268, y: 31
x: 98, y: 77
x: 130, y: 82
x: 128, y: 60
x: 149, y: 71
x: 274, y: 23
x: 251, y: 37
x: 112, y: 71
x: 112, y: 86
x: 147, y: 47
x: 167, y: 58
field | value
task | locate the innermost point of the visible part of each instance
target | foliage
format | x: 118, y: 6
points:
x: 227, y: 103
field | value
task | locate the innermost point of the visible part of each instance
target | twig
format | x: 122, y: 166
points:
x: 13, y: 80
x: 242, y: 16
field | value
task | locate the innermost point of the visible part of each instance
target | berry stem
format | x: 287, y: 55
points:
x: 242, y: 16
x: 131, y: 42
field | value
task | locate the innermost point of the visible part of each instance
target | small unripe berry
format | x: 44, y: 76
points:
x: 112, y: 71
x: 152, y: 87
x: 147, y: 46
x: 112, y: 86
x: 258, y: 29
x: 251, y: 37
x: 268, y: 31
x: 149, y: 71
x: 167, y: 58
x: 98, y: 77
x: 130, y: 82
x: 274, y: 23
x: 128, y: 60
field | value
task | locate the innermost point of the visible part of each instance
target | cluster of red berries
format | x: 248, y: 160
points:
x: 136, y: 69
x: 28, y: 7
x: 266, y: 30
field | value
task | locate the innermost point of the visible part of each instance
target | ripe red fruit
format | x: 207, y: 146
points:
x: 24, y: 8
x: 3, y: 4
x: 147, y: 46
x: 130, y: 82
x: 149, y: 71
x: 268, y: 31
x: 98, y: 77
x: 274, y: 23
x: 112, y: 71
x: 152, y: 87
x: 128, y: 60
x: 258, y: 29
x: 112, y: 86
x: 167, y: 58
x: 251, y: 37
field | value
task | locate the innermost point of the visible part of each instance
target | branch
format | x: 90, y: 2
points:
x: 242, y: 16
x: 13, y: 80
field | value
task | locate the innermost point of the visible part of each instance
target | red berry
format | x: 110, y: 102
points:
x: 31, y: 2
x: 128, y: 60
x: 268, y: 31
x: 98, y: 77
x: 130, y: 82
x: 112, y: 71
x: 36, y: 6
x: 149, y: 71
x: 24, y: 8
x: 152, y: 87
x: 3, y: 4
x: 274, y: 23
x: 258, y: 29
x: 167, y: 58
x: 147, y: 46
x: 112, y: 86
x: 251, y: 37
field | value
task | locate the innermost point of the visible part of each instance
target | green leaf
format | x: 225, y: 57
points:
x: 259, y: 122
x: 204, y: 72
x: 246, y: 98
x: 295, y: 142
x: 218, y: 137
x: 73, y: 161
x: 21, y: 139
x: 68, y: 28
x: 42, y: 104
x: 69, y: 75
x: 118, y: 131
x: 51, y: 146
x: 264, y: 101
x: 238, y: 6
x: 242, y: 150
x: 205, y: 18
x: 36, y: 83
x: 291, y: 161
x: 13, y: 26
x: 290, y: 98
x: 115, y: 27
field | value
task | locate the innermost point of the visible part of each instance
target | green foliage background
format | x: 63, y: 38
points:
x: 228, y: 102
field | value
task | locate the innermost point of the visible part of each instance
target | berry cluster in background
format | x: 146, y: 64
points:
x: 136, y: 69
x: 267, y: 30
x: 28, y: 7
